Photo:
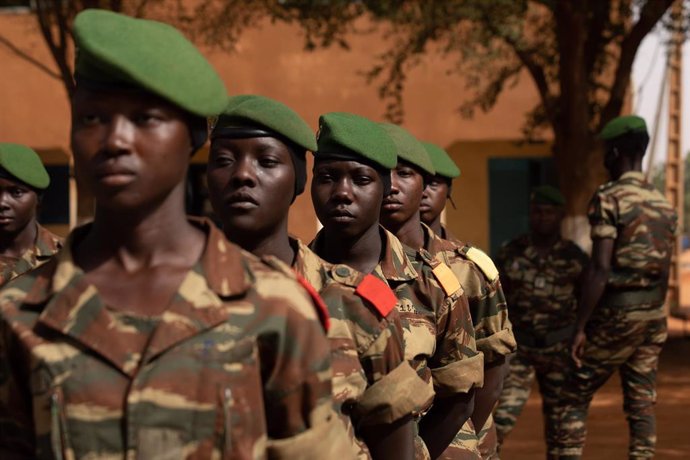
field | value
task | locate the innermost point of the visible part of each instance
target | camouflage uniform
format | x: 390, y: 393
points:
x: 628, y: 326
x: 373, y: 384
x: 542, y: 293
x: 236, y: 367
x: 493, y: 330
x: 46, y: 246
x: 438, y: 333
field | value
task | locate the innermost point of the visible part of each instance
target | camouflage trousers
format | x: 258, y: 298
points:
x: 470, y: 445
x: 550, y: 367
x: 632, y: 347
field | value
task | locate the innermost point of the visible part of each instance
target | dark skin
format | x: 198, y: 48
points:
x: 400, y: 210
x: 545, y: 226
x: 434, y: 202
x: 597, y: 272
x: 131, y: 150
x: 18, y: 227
x: 400, y: 215
x: 347, y: 196
x: 251, y: 185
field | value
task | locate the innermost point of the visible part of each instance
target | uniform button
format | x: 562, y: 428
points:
x: 342, y: 271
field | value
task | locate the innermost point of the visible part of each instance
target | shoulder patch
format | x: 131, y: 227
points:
x: 446, y: 278
x: 378, y: 293
x: 321, y: 307
x: 484, y: 262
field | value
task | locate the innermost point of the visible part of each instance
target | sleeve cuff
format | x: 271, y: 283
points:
x: 399, y: 393
x: 327, y: 439
x: 502, y: 343
x: 604, y: 231
x: 459, y: 376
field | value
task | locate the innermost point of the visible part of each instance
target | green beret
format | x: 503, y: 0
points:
x: 347, y: 133
x: 546, y: 194
x: 623, y: 125
x: 24, y: 164
x: 117, y: 50
x: 267, y: 113
x: 442, y: 162
x: 409, y: 148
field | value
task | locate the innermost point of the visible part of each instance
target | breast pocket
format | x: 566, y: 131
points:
x: 225, y: 390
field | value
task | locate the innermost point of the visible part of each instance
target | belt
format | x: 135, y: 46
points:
x: 628, y: 297
x: 543, y: 341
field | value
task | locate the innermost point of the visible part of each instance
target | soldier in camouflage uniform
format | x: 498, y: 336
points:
x: 150, y: 335
x: 256, y: 169
x: 24, y: 244
x: 353, y: 153
x: 473, y: 269
x: 621, y: 322
x: 541, y: 273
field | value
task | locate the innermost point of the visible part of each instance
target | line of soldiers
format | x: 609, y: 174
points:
x: 150, y: 334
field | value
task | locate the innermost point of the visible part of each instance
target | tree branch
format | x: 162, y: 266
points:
x: 29, y: 58
x: 651, y: 13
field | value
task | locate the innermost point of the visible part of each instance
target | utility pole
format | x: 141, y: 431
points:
x: 675, y: 164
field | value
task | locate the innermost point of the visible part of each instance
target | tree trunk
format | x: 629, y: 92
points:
x: 580, y: 166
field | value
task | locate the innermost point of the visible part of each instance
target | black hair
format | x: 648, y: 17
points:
x: 633, y: 144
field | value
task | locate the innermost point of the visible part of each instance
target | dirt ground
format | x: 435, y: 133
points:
x: 607, y: 436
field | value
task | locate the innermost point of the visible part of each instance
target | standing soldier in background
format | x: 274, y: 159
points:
x: 256, y: 169
x: 479, y: 277
x: 24, y: 244
x: 353, y: 154
x: 540, y: 273
x: 150, y: 335
x: 621, y: 322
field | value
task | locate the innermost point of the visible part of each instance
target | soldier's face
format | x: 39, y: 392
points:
x: 433, y: 200
x: 17, y: 206
x: 131, y: 149
x: 347, y: 196
x: 401, y: 205
x: 251, y: 183
x: 545, y: 219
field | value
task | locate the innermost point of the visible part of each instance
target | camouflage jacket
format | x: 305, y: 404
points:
x: 643, y: 225
x: 236, y: 367
x: 542, y: 291
x: 373, y: 384
x: 479, y: 278
x: 46, y: 246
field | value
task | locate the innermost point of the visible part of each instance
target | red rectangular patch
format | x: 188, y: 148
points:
x: 378, y: 293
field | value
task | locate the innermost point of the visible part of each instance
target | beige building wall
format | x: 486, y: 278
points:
x: 270, y: 60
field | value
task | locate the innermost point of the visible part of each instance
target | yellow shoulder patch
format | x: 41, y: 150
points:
x: 446, y: 278
x: 484, y: 262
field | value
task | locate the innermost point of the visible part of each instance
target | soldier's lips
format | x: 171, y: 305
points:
x: 6, y: 220
x: 392, y: 206
x: 114, y: 176
x: 341, y: 216
x: 241, y: 202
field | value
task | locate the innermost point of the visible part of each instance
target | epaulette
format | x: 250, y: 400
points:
x: 368, y: 287
x: 321, y: 308
x: 377, y: 293
x: 481, y: 260
x: 442, y: 272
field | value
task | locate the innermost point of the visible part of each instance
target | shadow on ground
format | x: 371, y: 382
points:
x: 607, y: 429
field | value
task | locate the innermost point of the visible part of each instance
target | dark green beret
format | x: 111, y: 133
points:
x: 442, y: 162
x: 117, y: 50
x: 24, y: 164
x: 347, y: 133
x: 409, y: 148
x: 268, y: 113
x: 623, y: 125
x: 546, y: 194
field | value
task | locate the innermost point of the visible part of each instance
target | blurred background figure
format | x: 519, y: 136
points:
x: 540, y: 273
